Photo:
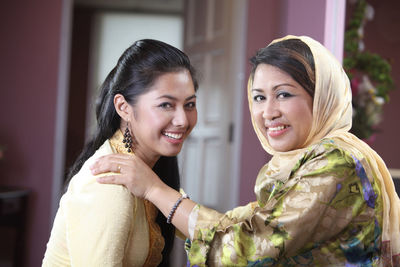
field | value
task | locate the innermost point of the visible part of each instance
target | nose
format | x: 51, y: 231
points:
x: 180, y: 118
x: 271, y: 110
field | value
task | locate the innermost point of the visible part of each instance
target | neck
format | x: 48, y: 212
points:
x: 150, y: 160
x: 147, y: 158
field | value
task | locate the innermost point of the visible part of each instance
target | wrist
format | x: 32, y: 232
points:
x: 164, y: 197
x: 156, y: 191
x: 173, y: 209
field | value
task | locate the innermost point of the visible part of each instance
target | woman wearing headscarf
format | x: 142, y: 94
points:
x: 324, y: 199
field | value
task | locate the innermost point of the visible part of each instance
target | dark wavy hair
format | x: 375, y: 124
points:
x: 136, y: 70
x: 292, y: 56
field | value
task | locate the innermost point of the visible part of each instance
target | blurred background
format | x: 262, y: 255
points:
x: 55, y: 54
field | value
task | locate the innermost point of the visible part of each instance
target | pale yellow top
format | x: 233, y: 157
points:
x: 103, y: 225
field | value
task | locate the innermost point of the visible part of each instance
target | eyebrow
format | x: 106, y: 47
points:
x: 174, y: 98
x: 273, y: 88
x: 256, y: 90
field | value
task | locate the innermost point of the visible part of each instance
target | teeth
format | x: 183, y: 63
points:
x: 173, y: 135
x: 277, y: 128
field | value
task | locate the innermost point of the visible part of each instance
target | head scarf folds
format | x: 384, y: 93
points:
x: 332, y: 117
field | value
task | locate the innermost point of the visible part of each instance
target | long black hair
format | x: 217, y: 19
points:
x: 294, y: 57
x: 136, y: 70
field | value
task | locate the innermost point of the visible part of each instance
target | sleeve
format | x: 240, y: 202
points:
x: 313, y: 205
x: 56, y: 248
x: 98, y: 222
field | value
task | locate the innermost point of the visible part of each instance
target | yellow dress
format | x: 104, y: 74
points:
x: 103, y: 225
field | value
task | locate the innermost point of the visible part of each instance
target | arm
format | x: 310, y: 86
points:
x: 320, y: 207
x: 164, y: 197
x: 309, y: 208
x: 231, y: 238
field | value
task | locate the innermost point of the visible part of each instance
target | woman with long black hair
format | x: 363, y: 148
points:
x: 147, y: 107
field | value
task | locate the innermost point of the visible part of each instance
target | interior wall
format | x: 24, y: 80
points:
x: 305, y: 18
x: 381, y: 36
x: 29, y: 53
x: 264, y: 24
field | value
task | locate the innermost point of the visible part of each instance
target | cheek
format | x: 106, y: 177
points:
x: 303, y: 117
x: 156, y: 120
x: 195, y: 118
x: 192, y: 119
x: 257, y: 115
x: 254, y: 111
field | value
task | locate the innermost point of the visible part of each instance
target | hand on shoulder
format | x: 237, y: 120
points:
x: 133, y: 173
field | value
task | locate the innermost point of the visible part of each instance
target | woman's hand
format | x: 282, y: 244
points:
x: 134, y: 173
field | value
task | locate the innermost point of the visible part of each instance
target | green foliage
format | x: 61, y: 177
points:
x: 369, y: 74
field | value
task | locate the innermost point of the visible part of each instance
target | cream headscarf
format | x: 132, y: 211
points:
x: 332, y: 117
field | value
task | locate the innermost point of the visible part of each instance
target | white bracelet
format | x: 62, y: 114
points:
x: 172, y: 212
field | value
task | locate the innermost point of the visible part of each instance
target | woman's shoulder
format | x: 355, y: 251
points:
x: 85, y: 186
x: 326, y: 156
x: 92, y: 210
x: 329, y: 148
x: 336, y: 148
x: 84, y: 175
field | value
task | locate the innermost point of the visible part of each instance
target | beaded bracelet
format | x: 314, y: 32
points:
x: 172, y: 212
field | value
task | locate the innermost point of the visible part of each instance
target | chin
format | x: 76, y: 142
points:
x: 171, y: 153
x: 280, y: 150
x: 281, y: 147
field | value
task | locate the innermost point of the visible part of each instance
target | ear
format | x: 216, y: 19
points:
x: 122, y: 107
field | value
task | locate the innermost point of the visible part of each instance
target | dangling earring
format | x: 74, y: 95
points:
x: 127, y: 139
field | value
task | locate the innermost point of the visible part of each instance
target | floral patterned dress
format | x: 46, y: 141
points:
x: 326, y: 212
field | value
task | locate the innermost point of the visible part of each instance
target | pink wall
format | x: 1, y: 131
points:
x: 382, y: 37
x: 29, y: 51
x: 305, y: 18
x: 263, y: 25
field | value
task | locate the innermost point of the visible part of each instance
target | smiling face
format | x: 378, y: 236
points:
x: 281, y: 108
x: 164, y: 116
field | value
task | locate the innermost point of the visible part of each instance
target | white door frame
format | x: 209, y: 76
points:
x: 60, y: 130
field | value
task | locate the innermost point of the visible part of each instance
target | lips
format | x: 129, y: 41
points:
x: 176, y: 136
x: 277, y: 129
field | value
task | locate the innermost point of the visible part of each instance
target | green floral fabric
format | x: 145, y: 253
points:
x: 327, y: 212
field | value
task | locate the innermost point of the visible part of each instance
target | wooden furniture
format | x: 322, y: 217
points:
x: 13, y: 213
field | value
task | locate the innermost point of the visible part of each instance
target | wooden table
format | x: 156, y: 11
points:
x: 13, y: 213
